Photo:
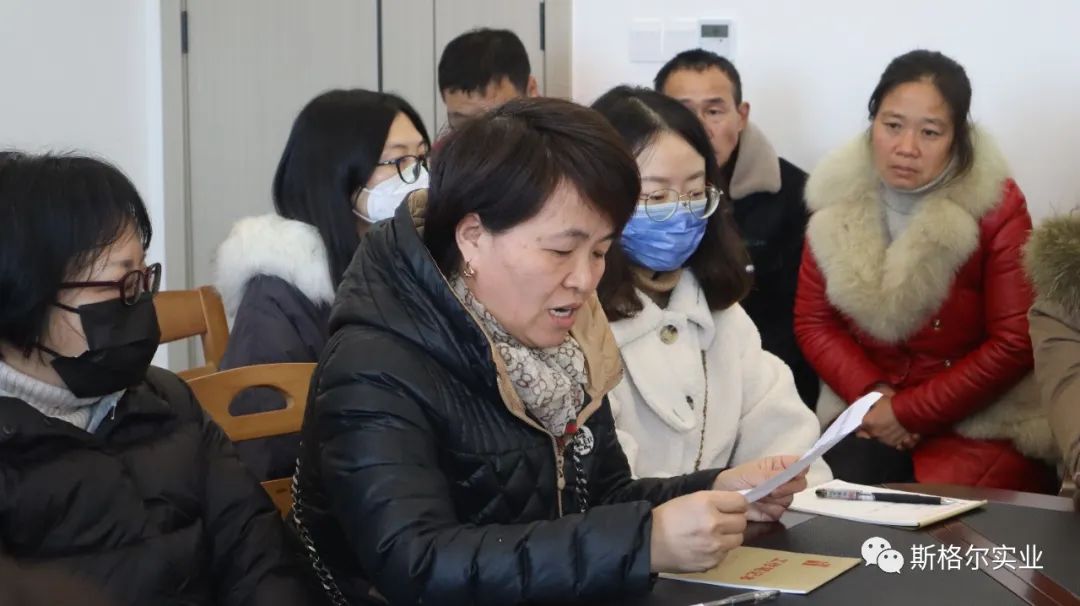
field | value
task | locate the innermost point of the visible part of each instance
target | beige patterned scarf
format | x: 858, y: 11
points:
x: 550, y: 382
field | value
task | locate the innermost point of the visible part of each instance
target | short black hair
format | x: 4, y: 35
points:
x: 479, y: 57
x: 333, y: 148
x: 720, y: 261
x: 699, y: 60
x: 506, y: 164
x: 951, y: 81
x: 59, y: 212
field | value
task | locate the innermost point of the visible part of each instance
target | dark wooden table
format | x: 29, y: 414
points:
x: 1010, y: 519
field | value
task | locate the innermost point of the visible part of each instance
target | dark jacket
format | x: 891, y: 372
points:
x: 274, y: 323
x: 43, y: 586
x: 422, y: 473
x: 275, y: 281
x: 153, y: 507
x: 767, y: 195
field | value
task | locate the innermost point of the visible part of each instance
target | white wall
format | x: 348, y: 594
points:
x: 808, y: 68
x: 86, y: 77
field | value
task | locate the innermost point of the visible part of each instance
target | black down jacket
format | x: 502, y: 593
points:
x: 421, y: 473
x: 773, y: 225
x: 154, y: 507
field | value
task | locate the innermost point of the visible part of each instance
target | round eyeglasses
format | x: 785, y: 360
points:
x: 408, y: 167
x: 131, y: 287
x: 661, y: 205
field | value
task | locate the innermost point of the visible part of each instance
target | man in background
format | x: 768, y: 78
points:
x: 482, y: 69
x: 766, y: 192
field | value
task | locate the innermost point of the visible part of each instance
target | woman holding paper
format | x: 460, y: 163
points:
x: 699, y: 391
x: 458, y: 447
x: 912, y: 285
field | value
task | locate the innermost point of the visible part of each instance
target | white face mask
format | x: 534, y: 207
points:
x: 384, y: 198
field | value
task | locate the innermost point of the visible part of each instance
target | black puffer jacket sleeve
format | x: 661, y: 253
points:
x: 248, y: 550
x: 613, y: 483
x: 380, y: 454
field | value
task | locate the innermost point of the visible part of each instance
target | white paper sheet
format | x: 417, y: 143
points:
x: 849, y: 421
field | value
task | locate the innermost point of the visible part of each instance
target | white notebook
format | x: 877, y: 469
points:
x: 878, y: 512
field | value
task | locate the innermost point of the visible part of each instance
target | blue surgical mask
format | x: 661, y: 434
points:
x: 663, y: 245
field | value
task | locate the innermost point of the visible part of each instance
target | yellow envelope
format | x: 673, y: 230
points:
x: 755, y: 568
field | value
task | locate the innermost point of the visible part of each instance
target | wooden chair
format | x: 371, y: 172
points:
x: 216, y: 392
x: 194, y: 313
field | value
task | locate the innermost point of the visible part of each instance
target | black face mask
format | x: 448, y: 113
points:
x: 122, y: 340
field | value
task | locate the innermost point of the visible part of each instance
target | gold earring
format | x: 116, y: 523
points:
x: 468, y: 272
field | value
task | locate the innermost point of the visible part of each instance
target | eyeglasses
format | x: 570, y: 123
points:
x: 408, y: 167
x: 660, y: 205
x: 132, y: 286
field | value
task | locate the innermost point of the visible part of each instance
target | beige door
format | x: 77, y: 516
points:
x: 251, y: 66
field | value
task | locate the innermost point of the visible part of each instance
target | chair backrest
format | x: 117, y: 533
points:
x: 216, y: 392
x: 194, y: 313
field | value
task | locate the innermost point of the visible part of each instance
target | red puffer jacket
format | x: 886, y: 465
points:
x: 939, y: 314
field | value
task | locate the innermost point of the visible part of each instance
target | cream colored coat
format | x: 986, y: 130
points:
x: 660, y: 407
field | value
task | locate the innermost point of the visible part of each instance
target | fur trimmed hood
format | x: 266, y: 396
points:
x: 274, y: 246
x: 1052, y: 258
x: 891, y: 289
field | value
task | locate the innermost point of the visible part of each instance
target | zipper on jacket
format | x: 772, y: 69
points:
x: 560, y: 474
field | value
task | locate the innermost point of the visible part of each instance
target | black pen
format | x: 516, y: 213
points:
x: 885, y: 497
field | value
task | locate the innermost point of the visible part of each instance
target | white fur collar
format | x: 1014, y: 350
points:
x: 891, y: 290
x: 274, y: 246
x: 757, y: 167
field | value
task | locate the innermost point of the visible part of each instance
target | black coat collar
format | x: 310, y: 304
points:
x: 22, y: 425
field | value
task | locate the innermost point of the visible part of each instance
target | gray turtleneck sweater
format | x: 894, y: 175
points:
x: 902, y: 204
x: 56, y: 402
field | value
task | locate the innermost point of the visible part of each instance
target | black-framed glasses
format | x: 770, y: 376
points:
x: 408, y: 167
x: 660, y: 205
x: 133, y: 285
